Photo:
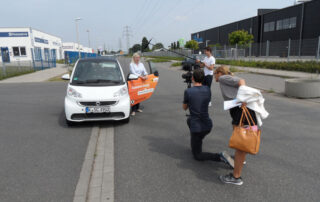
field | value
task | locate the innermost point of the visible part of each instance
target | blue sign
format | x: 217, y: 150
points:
x: 39, y: 40
x: 14, y: 34
x: 199, y: 40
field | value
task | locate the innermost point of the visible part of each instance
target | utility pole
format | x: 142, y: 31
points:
x: 120, y: 45
x: 127, y: 33
x: 77, y: 30
x: 89, y: 37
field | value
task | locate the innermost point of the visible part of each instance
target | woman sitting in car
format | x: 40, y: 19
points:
x: 138, y: 69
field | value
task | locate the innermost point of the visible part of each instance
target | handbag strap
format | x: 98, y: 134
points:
x: 248, y: 114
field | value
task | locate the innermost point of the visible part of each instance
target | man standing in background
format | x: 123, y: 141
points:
x: 208, y: 64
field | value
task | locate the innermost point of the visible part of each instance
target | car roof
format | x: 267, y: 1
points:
x: 98, y: 59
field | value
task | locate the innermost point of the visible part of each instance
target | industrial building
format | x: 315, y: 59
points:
x: 295, y: 28
x: 25, y: 44
x: 28, y: 44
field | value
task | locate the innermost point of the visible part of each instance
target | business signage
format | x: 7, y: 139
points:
x: 197, y: 38
x: 14, y: 34
x: 39, y: 40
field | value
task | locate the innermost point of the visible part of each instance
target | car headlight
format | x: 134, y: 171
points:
x: 73, y: 93
x: 123, y: 91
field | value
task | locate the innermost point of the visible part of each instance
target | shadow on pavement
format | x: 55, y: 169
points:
x: 204, y: 170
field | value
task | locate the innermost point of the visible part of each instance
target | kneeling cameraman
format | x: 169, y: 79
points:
x: 197, y: 99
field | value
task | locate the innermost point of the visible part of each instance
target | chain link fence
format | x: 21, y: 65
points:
x: 289, y: 50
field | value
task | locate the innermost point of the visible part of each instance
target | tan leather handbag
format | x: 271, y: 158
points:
x: 245, y: 139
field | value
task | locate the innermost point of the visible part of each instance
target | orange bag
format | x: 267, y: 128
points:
x: 245, y: 139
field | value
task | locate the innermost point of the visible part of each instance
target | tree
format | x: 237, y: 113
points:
x: 145, y: 45
x: 174, y: 45
x: 171, y: 46
x: 240, y: 37
x: 178, y: 45
x: 192, y: 44
x: 157, y: 46
x: 135, y: 48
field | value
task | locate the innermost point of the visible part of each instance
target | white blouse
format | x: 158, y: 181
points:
x: 138, y: 70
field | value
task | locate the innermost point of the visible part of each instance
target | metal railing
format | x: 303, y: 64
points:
x: 289, y: 50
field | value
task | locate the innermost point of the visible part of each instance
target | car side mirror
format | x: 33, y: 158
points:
x: 66, y: 77
x: 132, y: 77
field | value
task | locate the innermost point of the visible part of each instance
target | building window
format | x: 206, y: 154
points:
x: 269, y: 27
x: 16, y: 51
x: 293, y: 22
x: 23, y: 51
x: 288, y: 23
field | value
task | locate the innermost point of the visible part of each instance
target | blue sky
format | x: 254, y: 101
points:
x: 163, y: 20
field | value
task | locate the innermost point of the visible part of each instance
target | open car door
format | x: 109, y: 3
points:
x: 141, y: 90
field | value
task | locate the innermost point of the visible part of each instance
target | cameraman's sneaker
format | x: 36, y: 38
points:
x: 226, y: 158
x: 230, y: 179
x: 210, y: 104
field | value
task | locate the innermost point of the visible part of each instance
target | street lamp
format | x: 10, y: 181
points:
x: 76, y: 21
x: 88, y: 37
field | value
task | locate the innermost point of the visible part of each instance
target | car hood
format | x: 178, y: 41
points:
x: 93, y: 93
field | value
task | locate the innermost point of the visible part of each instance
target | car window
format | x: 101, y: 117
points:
x: 97, y: 73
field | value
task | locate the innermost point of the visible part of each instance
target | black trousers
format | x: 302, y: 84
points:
x: 207, y: 81
x: 134, y: 108
x: 196, y: 147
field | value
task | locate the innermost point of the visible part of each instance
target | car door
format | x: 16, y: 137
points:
x: 141, y: 90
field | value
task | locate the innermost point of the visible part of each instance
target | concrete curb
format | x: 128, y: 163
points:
x: 81, y: 192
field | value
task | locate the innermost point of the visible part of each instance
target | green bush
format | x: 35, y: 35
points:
x: 176, y: 64
x: 166, y: 58
x: 60, y: 61
x: 309, y: 66
x: 159, y: 60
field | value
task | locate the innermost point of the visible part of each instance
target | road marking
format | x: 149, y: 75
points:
x: 81, y: 191
x: 96, y: 183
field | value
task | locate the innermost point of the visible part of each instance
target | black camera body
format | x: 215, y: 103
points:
x: 188, y: 76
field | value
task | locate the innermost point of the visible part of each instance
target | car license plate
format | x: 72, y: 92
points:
x: 97, y: 109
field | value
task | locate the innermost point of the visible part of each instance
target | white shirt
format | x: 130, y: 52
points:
x: 138, y: 70
x: 208, y: 61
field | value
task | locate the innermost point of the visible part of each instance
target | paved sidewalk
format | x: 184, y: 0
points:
x: 281, y: 73
x: 38, y: 76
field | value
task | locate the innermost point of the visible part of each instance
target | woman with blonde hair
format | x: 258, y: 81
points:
x: 229, y: 85
x: 137, y: 68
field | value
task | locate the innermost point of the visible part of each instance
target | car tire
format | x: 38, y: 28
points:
x: 70, y: 123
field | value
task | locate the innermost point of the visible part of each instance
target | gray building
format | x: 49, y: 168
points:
x: 275, y: 31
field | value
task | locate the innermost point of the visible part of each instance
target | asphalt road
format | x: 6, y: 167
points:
x: 153, y: 161
x: 40, y: 157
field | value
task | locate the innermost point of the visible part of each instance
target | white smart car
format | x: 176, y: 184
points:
x: 97, y: 91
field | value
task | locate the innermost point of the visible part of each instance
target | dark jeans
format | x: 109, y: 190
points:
x: 207, y: 81
x: 196, y: 147
x: 134, y: 108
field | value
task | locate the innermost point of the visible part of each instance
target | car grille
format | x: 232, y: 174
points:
x: 101, y: 103
x: 97, y: 116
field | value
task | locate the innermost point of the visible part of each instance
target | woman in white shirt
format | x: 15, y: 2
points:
x: 137, y: 68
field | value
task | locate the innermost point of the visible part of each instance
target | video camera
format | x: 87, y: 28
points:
x: 188, y: 76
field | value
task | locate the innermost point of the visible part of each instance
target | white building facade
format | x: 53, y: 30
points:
x: 25, y: 44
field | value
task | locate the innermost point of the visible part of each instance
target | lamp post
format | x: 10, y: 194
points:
x: 77, y: 31
x: 89, y: 37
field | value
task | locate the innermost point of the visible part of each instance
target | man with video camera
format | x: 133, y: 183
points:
x: 208, y: 66
x: 196, y: 99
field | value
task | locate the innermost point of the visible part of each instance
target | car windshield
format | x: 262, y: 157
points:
x: 93, y: 73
